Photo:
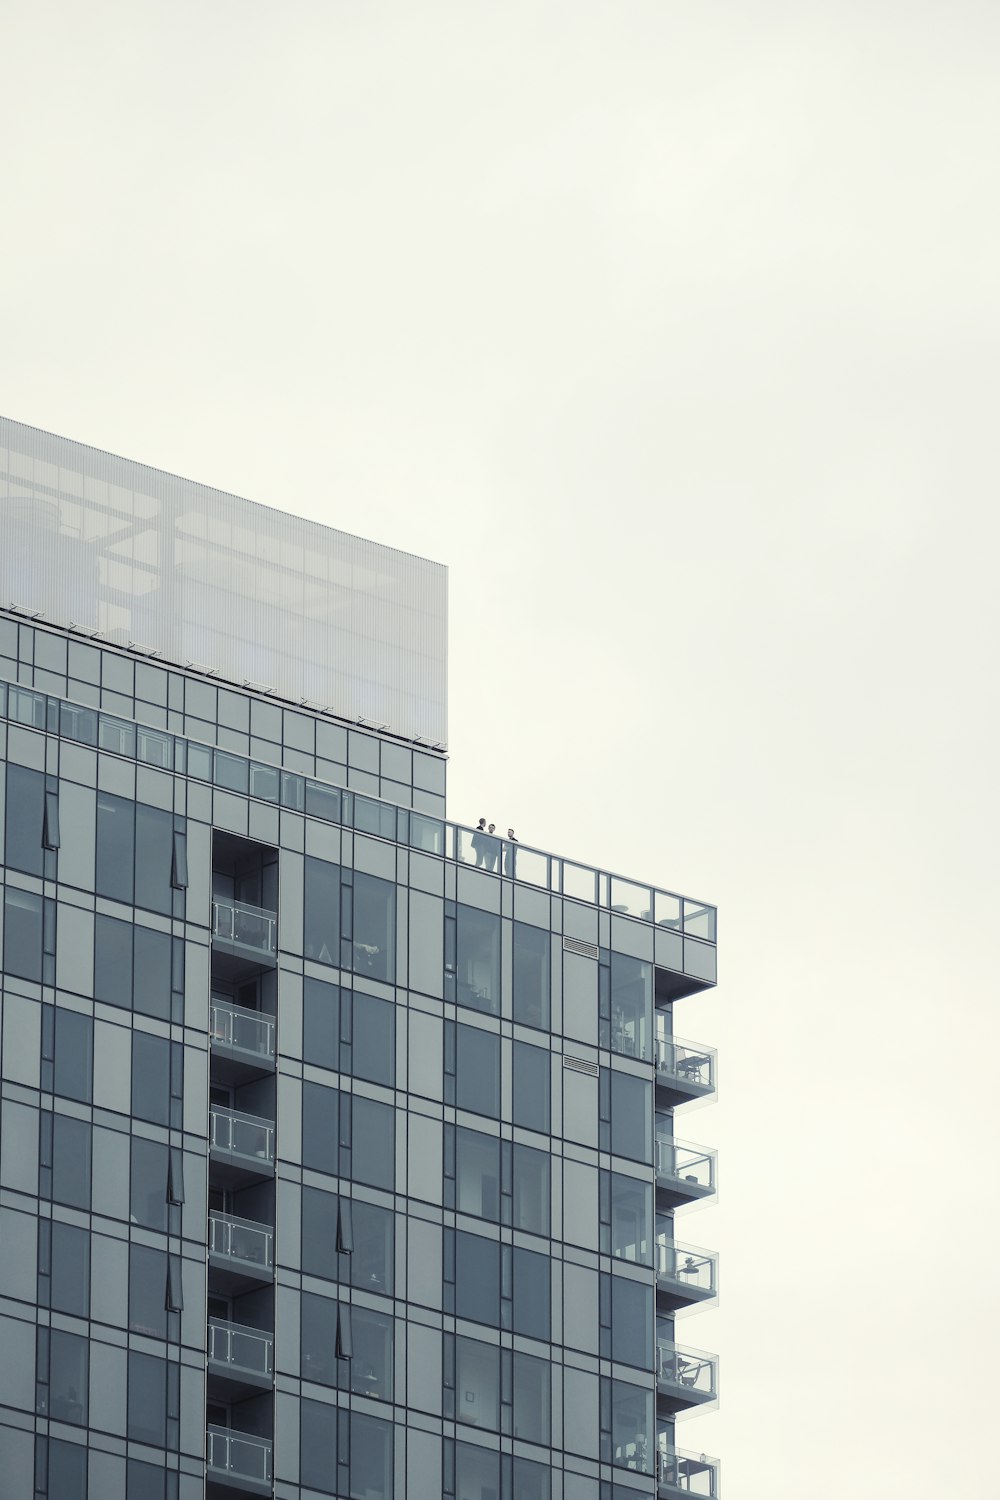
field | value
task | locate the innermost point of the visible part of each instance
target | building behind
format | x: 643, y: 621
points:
x: 337, y: 1150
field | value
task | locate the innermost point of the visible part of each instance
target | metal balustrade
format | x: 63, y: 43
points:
x: 685, y: 1064
x: 691, y: 1273
x: 242, y: 1135
x: 243, y: 1030
x: 249, y: 926
x: 239, y: 1454
x: 689, y: 1376
x: 682, y: 1474
x: 241, y: 1240
x: 690, y: 1169
x: 240, y: 1348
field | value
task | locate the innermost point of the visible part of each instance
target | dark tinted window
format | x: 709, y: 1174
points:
x: 147, y: 1285
x: 22, y: 934
x: 70, y: 1270
x: 319, y: 1339
x: 531, y: 1481
x: 115, y: 847
x: 151, y: 1078
x: 151, y: 984
x: 478, y: 1071
x: 478, y: 949
x: 320, y: 1127
x: 74, y: 1044
x: 70, y: 1161
x: 532, y: 1284
x: 321, y: 915
x: 631, y: 1323
x: 371, y: 1365
x: 144, y: 1482
x: 154, y: 851
x: 532, y: 1399
x: 113, y: 962
x: 371, y: 1458
x: 318, y: 1446
x: 371, y: 1262
x: 149, y: 1184
x: 68, y: 1378
x: 631, y: 1116
x: 477, y: 1278
x: 374, y: 940
x: 25, y: 811
x: 374, y: 1039
x: 67, y: 1470
x: 319, y: 1233
x: 147, y: 1399
x: 477, y: 1173
x: 373, y: 1152
x: 321, y: 1023
x: 531, y: 1190
x: 532, y: 1074
x: 532, y: 970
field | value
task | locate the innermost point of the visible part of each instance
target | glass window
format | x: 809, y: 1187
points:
x: 321, y: 912
x: 631, y: 1323
x: 147, y: 1399
x: 68, y: 1383
x: 478, y: 955
x: 477, y: 1170
x: 371, y: 1262
x: 371, y: 1458
x: 532, y: 975
x: 70, y: 1270
x: 532, y: 1072
x: 531, y: 1481
x: 477, y: 1070
x: 25, y: 810
x: 374, y: 1040
x: 631, y: 1426
x: 147, y: 1287
x: 631, y: 1219
x: 113, y: 962
x: 374, y: 942
x: 532, y: 1402
x: 115, y: 847
x: 477, y: 1473
x: 319, y: 1339
x: 22, y: 934
x: 477, y: 1278
x: 321, y: 1023
x: 319, y: 1233
x: 631, y: 1006
x: 71, y: 1161
x: 73, y: 1073
x: 149, y: 1184
x: 67, y: 1470
x: 531, y: 1190
x: 320, y: 1127
x: 144, y: 1481
x: 318, y: 1446
x: 631, y: 1117
x: 154, y: 856
x: 373, y: 1134
x: 371, y: 1364
x: 532, y: 1294
x: 151, y: 1078
x: 477, y: 1383
x: 151, y: 982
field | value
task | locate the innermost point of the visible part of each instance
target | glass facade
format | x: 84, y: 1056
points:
x: 337, y: 1150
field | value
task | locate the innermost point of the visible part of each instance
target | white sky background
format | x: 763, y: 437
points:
x: 672, y: 328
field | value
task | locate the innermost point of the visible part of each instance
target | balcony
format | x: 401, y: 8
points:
x: 242, y: 1147
x: 240, y: 1253
x: 679, y: 1475
x: 684, y: 1071
x: 685, y: 1275
x: 684, y: 1173
x: 685, y: 1378
x: 238, y: 1461
x: 243, y: 937
x: 242, y: 1042
x: 241, y: 1357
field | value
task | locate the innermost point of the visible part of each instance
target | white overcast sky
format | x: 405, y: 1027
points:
x: 673, y: 329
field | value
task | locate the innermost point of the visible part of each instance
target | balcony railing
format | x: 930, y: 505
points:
x: 241, y: 1240
x: 249, y: 926
x: 684, y: 1064
x: 691, y: 1273
x: 238, y: 1454
x: 680, y: 1474
x: 242, y: 1135
x: 689, y: 1376
x: 690, y: 1170
x: 240, y: 1348
x: 243, y: 1030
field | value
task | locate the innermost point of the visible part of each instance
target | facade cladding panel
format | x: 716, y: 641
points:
x: 337, y: 1151
x: 250, y: 592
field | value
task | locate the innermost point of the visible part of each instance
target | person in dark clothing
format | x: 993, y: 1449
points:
x: 479, y: 842
x: 510, y: 853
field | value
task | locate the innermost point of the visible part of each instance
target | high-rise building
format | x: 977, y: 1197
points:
x: 338, y: 1150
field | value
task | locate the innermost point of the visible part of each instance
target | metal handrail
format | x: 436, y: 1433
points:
x: 243, y: 1135
x: 235, y: 1237
x: 228, y: 1341
x: 239, y: 1453
x: 250, y: 926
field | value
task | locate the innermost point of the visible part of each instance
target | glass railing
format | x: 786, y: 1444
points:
x: 371, y: 815
x: 240, y: 1348
x: 243, y: 1135
x: 690, y: 1166
x: 243, y: 1030
x: 250, y: 926
x: 692, y: 1371
x: 686, y: 1063
x: 680, y: 1474
x: 239, y: 1454
x: 687, y: 1267
x: 241, y: 1239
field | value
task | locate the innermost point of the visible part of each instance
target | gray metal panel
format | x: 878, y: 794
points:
x: 204, y: 577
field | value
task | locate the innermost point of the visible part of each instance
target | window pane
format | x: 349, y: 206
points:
x: 532, y: 1299
x: 374, y: 927
x: 68, y: 1386
x: 70, y: 1270
x: 113, y: 962
x: 151, y: 983
x: 320, y: 1127
x: 318, y: 1450
x: 371, y: 1365
x: 631, y: 1117
x: 145, y: 1481
x: 631, y: 1219
x: 477, y: 1170
x: 319, y: 1233
x: 631, y: 1426
x: 71, y: 1162
x: 321, y: 918
x: 373, y: 1154
x: 531, y: 1190
x: 631, y: 1006
x: 149, y: 1184
x: 67, y: 1470
x: 147, y: 1285
x: 115, y: 847
x: 532, y: 1402
x: 479, y: 959
x: 631, y: 1323
x: 319, y: 1339
x: 371, y: 1262
x: 374, y: 1055
x: 23, y: 833
x: 477, y: 1382
x: 154, y: 852
x: 478, y: 1071
x: 371, y: 1458
x: 22, y: 934
x: 531, y: 1481
x: 151, y: 1078
x: 477, y: 1473
x: 74, y: 1055
x: 477, y: 1279
x: 532, y: 971
x: 532, y: 1072
x: 147, y: 1399
x: 321, y: 1023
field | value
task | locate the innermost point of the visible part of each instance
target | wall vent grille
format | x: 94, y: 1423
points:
x: 585, y: 950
